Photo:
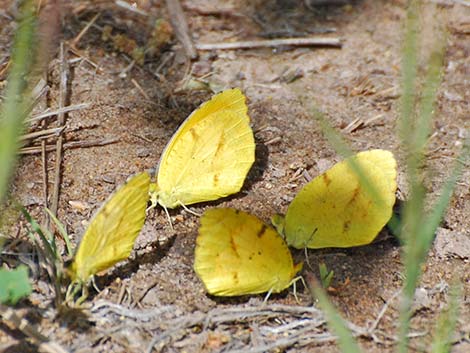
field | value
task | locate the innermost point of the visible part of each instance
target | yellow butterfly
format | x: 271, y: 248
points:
x: 341, y: 209
x: 111, y: 233
x: 237, y: 254
x: 209, y: 156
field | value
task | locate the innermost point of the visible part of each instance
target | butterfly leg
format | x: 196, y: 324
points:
x: 307, y: 260
x: 190, y: 211
x: 294, y: 285
x: 267, y: 297
x: 168, y: 217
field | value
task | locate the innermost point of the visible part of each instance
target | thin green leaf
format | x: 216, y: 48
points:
x: 325, y: 275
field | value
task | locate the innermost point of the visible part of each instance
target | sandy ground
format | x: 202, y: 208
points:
x: 141, y: 107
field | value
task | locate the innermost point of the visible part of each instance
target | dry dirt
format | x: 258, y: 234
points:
x: 142, y: 107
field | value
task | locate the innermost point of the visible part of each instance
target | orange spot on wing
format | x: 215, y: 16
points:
x: 326, y: 179
x: 193, y: 134
x: 235, y: 277
x: 262, y: 231
x: 354, y: 196
x: 234, y: 246
x: 220, y: 144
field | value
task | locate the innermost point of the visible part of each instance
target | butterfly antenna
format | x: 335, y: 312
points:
x: 294, y: 285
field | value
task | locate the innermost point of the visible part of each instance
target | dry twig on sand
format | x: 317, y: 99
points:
x: 61, y: 122
x: 69, y: 145
x: 180, y: 26
x: 297, y: 42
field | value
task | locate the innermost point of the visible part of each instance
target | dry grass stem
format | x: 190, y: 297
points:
x: 180, y: 26
x: 62, y: 110
x: 295, y: 42
x: 69, y: 145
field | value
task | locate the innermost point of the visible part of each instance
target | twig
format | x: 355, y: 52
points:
x: 452, y: 2
x: 125, y: 5
x: 78, y: 53
x: 42, y: 133
x: 103, y: 307
x: 69, y: 145
x: 63, y: 110
x: 61, y: 122
x: 45, y: 186
x: 212, y: 11
x: 75, y: 41
x: 180, y: 26
x: 374, y: 325
x: 140, y: 89
x: 44, y: 344
x: 298, y: 42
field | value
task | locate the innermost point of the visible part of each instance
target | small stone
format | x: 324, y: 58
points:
x: 143, y: 152
x: 323, y: 165
x: 450, y: 243
x: 80, y: 206
x: 278, y: 173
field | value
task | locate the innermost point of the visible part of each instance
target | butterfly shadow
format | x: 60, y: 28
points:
x: 76, y: 319
x: 253, y: 299
x: 354, y: 267
x: 259, y: 166
x: 154, y: 252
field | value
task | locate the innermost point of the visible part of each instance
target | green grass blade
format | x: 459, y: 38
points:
x: 447, y: 323
x: 13, y: 111
x: 447, y: 190
x: 428, y: 98
x: 62, y: 232
x: 50, y: 250
x: 409, y: 69
x: 346, y: 341
x: 419, y: 227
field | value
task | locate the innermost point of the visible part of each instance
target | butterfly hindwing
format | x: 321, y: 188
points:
x: 111, y: 233
x: 336, y: 210
x: 238, y: 254
x: 208, y: 158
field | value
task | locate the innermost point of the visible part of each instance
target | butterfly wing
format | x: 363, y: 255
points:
x: 111, y: 234
x: 208, y: 158
x: 231, y: 99
x: 237, y: 254
x: 335, y: 210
